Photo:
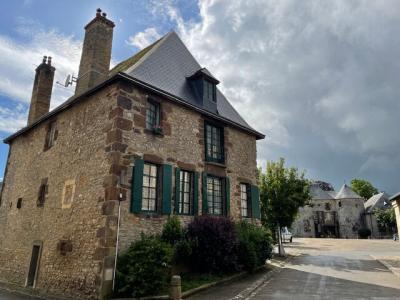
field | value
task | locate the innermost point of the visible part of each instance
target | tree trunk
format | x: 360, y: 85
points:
x: 280, y: 245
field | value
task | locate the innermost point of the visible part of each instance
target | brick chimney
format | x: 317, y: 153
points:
x: 96, y: 52
x: 41, y: 93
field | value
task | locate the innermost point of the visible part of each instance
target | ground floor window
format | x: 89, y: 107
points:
x: 185, y: 197
x: 215, y: 195
x: 150, y: 187
x: 245, y: 200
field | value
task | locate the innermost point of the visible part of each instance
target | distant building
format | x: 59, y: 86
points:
x: 378, y: 201
x: 330, y: 214
x: 396, y: 205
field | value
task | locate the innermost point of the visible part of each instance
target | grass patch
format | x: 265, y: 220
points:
x: 191, y: 281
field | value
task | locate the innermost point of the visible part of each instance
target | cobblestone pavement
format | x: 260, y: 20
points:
x: 326, y: 269
x: 7, y: 295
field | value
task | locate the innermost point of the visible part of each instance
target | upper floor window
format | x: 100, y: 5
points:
x: 185, y: 197
x: 214, y: 143
x: 51, y: 135
x: 245, y: 200
x: 150, y: 188
x: 209, y: 90
x: 42, y: 193
x: 152, y: 115
x: 215, y: 196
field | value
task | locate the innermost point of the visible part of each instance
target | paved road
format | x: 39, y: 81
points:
x: 326, y: 269
x: 320, y: 269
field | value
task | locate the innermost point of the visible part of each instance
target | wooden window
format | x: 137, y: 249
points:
x: 150, y: 188
x: 214, y: 143
x: 152, y: 115
x: 185, y: 197
x: 215, y: 196
x: 51, y: 135
x: 245, y: 200
x: 209, y: 91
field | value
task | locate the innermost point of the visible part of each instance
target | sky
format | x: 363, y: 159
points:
x: 319, y: 78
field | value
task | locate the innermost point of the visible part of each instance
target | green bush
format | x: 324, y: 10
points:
x: 255, y: 245
x: 214, y: 245
x: 172, y: 231
x: 144, y: 268
x: 364, y: 233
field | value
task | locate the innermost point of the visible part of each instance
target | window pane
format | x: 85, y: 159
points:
x: 185, y: 198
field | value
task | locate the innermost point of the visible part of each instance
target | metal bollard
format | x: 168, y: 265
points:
x: 175, y: 292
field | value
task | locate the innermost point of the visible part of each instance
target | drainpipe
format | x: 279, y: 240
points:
x: 117, y: 243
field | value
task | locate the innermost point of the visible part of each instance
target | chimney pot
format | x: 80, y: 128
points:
x: 104, y: 14
x: 49, y: 60
x: 98, y: 12
x: 44, y: 59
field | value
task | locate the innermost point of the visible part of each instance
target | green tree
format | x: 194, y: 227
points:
x: 282, y: 192
x: 363, y: 187
x: 386, y: 219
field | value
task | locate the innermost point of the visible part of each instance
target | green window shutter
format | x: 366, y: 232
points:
x: 255, y: 202
x: 166, y: 189
x: 204, y: 193
x: 195, y: 193
x: 177, y: 188
x: 227, y: 196
x: 137, y: 186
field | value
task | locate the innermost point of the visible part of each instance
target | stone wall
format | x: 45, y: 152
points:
x: 88, y: 171
x: 181, y: 145
x: 77, y: 157
x: 349, y: 217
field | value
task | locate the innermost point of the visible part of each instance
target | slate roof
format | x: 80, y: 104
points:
x: 347, y: 193
x: 164, y: 65
x: 380, y: 200
x: 168, y: 64
x: 319, y: 194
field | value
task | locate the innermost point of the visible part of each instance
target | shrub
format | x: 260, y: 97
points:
x: 144, y: 268
x: 364, y: 233
x: 214, y: 244
x: 172, y: 231
x: 255, y: 245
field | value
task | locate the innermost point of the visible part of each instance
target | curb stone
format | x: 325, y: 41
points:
x: 275, y: 266
x: 395, y: 271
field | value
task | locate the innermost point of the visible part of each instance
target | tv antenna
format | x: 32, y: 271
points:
x: 68, y: 81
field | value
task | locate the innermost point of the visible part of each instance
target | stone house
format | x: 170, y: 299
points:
x: 378, y: 201
x: 395, y: 200
x: 154, y: 135
x: 330, y: 214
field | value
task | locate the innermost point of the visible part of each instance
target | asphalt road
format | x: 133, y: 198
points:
x: 325, y: 269
x: 334, y: 269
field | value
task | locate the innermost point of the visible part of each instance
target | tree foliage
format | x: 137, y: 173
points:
x: 282, y: 192
x: 363, y: 187
x: 385, y: 218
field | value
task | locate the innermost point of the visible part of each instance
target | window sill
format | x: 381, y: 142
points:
x: 152, y: 132
x: 222, y: 165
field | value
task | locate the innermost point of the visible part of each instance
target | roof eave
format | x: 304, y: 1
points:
x: 259, y: 135
x: 120, y: 75
x: 71, y: 101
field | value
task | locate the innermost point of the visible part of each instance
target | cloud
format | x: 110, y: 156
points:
x: 143, y: 39
x: 20, y: 55
x: 319, y: 78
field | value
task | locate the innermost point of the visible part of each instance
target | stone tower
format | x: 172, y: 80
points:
x: 96, y: 52
x: 41, y: 93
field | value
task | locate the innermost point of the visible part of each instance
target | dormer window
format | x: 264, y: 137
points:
x: 209, y: 91
x: 204, y: 87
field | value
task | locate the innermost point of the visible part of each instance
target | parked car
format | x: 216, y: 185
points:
x: 395, y: 237
x: 286, y: 235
